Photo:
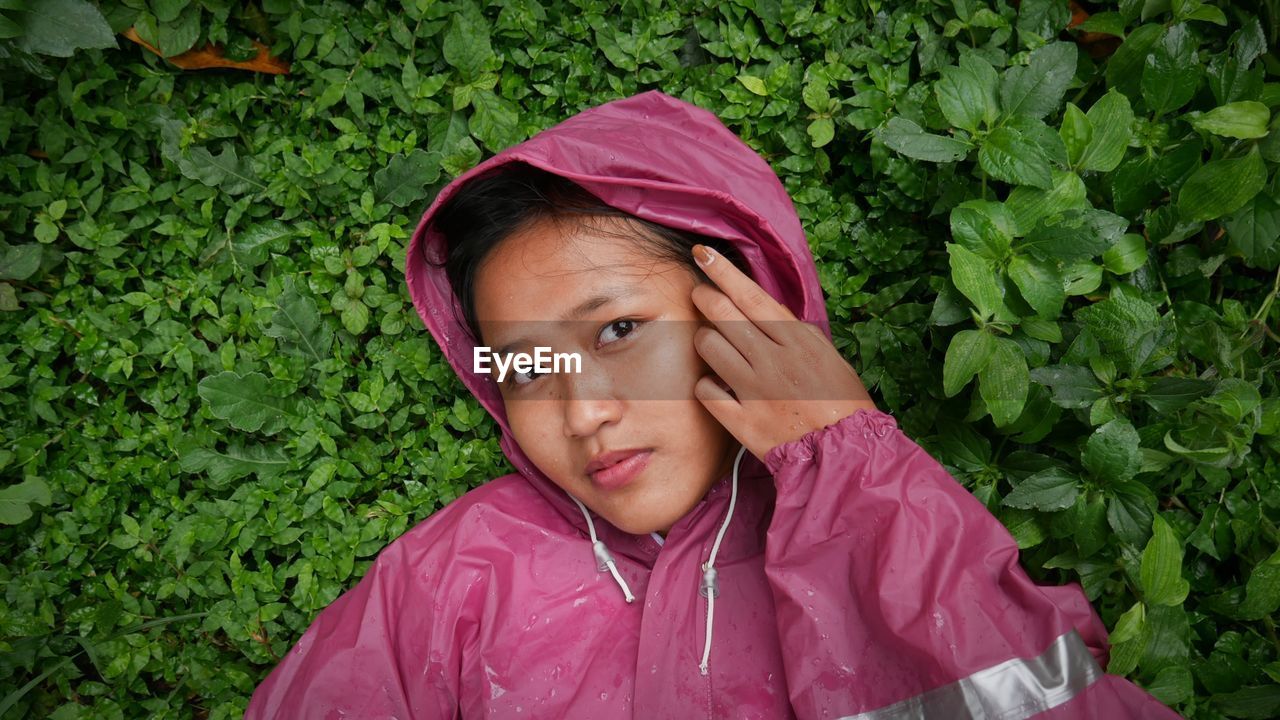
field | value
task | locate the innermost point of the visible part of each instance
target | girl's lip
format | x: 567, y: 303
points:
x: 623, y: 472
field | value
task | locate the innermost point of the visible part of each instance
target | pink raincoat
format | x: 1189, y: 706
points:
x: 853, y: 577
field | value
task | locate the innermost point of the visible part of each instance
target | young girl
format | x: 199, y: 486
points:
x: 709, y: 517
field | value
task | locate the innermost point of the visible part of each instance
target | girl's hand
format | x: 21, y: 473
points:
x: 786, y: 376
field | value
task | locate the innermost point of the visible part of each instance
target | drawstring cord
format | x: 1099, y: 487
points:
x: 710, y: 587
x: 604, y: 560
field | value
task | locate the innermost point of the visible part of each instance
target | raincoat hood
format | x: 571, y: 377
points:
x: 660, y: 159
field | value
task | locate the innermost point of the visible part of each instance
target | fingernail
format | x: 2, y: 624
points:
x: 703, y: 255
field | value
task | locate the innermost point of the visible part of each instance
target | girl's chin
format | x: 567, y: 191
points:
x: 655, y: 520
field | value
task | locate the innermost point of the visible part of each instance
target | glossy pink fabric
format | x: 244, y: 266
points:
x: 855, y: 572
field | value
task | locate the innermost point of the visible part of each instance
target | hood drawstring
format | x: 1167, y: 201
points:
x: 604, y: 560
x: 710, y: 587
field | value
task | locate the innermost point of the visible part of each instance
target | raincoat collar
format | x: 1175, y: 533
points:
x: 663, y: 160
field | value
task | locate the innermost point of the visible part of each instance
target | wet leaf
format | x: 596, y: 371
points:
x: 911, y: 140
x: 407, y: 178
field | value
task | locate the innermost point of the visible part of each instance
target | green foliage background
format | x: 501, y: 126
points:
x: 218, y: 404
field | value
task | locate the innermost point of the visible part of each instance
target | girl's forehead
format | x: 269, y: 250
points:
x: 550, y: 269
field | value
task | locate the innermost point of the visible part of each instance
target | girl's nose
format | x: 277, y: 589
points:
x: 589, y: 404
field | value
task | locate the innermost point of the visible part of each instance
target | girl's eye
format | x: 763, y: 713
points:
x: 520, y: 378
x: 616, y: 330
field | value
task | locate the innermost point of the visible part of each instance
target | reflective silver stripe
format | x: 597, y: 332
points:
x: 1013, y: 690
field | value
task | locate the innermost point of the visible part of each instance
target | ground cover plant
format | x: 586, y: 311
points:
x: 1052, y: 252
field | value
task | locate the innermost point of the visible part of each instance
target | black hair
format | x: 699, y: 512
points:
x: 492, y: 207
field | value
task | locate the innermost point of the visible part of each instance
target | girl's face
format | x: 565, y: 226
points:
x: 631, y: 320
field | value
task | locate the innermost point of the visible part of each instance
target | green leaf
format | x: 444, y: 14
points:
x: 968, y: 94
x: 1129, y: 511
x: 298, y: 325
x: 908, y: 138
x: 1254, y: 702
x: 1119, y: 321
x: 976, y: 279
x: 1168, y: 639
x: 1246, y: 119
x: 1036, y: 90
x: 1162, y: 582
x: 1072, y: 386
x: 815, y: 96
x: 1009, y: 155
x: 983, y: 227
x: 407, y: 178
x: 251, y: 247
x: 1048, y: 490
x: 1236, y: 397
x: 1076, y: 132
x: 1172, y: 685
x: 1111, y: 120
x: 1262, y: 592
x: 60, y: 27
x: 1075, y: 234
x: 1172, y: 71
x: 821, y: 132
x: 754, y: 84
x: 225, y: 170
x: 8, y: 298
x: 9, y: 29
x: 246, y: 402
x: 1129, y: 626
x: 16, y: 500
x: 494, y: 120
x: 1133, y: 185
x: 19, y: 262
x: 1270, y: 424
x: 1253, y: 232
x: 1128, y: 254
x: 355, y: 317
x: 1091, y: 533
x: 1125, y: 67
x: 1213, y: 456
x: 167, y: 10
x: 1250, y: 42
x: 1107, y: 23
x: 1041, y: 20
x: 1112, y: 452
x: 1081, y: 277
x: 1166, y: 394
x: 1041, y: 329
x: 1208, y: 13
x: 1031, y: 205
x: 466, y: 44
x: 1003, y: 382
x: 410, y: 79
x: 235, y: 462
x: 179, y: 36
x: 1221, y: 187
x: 967, y: 355
x: 1040, y: 284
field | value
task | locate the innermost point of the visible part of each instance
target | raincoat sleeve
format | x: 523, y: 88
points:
x: 389, y: 647
x: 899, y: 595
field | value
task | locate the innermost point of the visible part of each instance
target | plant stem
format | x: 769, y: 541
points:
x: 1261, y: 315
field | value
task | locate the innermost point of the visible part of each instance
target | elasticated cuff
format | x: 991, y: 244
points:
x: 863, y: 423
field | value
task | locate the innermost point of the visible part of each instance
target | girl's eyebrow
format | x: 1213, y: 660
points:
x: 599, y: 300
x: 595, y: 302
